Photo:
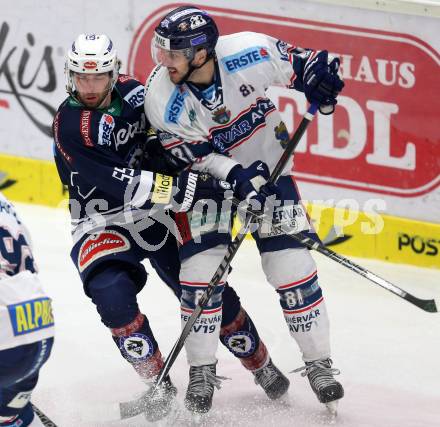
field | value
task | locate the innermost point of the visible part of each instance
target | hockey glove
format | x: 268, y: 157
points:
x: 193, y: 186
x: 154, y: 157
x: 251, y: 183
x: 321, y: 81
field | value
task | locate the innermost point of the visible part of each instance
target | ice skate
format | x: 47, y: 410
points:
x: 327, y: 389
x: 274, y: 383
x: 202, y: 380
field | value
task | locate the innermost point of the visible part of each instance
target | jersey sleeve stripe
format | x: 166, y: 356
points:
x: 143, y: 190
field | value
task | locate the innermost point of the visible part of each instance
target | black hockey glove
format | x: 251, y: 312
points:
x: 158, y: 159
x: 250, y: 184
x: 193, y: 186
x: 321, y: 81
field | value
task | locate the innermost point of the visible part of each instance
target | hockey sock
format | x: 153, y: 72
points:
x: 138, y: 346
x: 241, y: 338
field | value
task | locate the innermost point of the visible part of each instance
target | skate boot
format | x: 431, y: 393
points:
x: 157, y: 402
x: 320, y: 374
x: 272, y: 380
x: 202, y: 380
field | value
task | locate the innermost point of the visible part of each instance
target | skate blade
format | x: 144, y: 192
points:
x: 283, y: 400
x: 332, y: 408
x: 198, y: 419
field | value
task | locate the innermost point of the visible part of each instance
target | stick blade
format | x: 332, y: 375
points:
x: 131, y: 408
x: 428, y: 305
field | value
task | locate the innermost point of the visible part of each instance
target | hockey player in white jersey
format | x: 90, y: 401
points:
x: 27, y: 325
x: 207, y: 99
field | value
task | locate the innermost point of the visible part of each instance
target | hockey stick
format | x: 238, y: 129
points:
x: 130, y: 409
x: 428, y: 305
x: 45, y: 420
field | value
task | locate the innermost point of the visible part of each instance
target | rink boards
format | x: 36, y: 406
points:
x: 346, y: 231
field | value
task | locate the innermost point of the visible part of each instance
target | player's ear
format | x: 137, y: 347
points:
x: 200, y: 56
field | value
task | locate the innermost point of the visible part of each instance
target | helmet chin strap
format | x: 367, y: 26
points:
x: 192, y: 68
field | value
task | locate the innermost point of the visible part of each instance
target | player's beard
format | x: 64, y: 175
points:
x: 175, y: 75
x: 98, y: 98
x: 181, y: 77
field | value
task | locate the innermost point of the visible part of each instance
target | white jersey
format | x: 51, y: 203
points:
x: 233, y: 116
x: 25, y: 310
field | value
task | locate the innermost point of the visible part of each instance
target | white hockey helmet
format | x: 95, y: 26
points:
x: 91, y: 54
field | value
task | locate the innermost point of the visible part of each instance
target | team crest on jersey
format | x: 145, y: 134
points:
x: 136, y: 347
x: 106, y: 126
x: 97, y: 246
x: 222, y: 115
x: 192, y: 115
x: 240, y: 343
x: 282, y: 134
x: 282, y: 48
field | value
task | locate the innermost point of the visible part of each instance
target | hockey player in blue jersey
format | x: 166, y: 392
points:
x: 102, y: 152
x: 27, y: 325
x: 207, y: 99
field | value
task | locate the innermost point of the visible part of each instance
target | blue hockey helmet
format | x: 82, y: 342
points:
x: 184, y: 30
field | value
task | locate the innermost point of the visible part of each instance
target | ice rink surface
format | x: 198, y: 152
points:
x: 387, y: 349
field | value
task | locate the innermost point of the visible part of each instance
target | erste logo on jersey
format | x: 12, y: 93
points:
x: 175, y: 105
x: 97, y: 246
x: 245, y: 59
x: 135, y: 97
x: 106, y: 126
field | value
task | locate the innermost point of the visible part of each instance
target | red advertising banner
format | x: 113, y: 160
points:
x: 385, y: 134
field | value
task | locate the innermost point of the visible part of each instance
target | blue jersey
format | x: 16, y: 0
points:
x: 97, y: 154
